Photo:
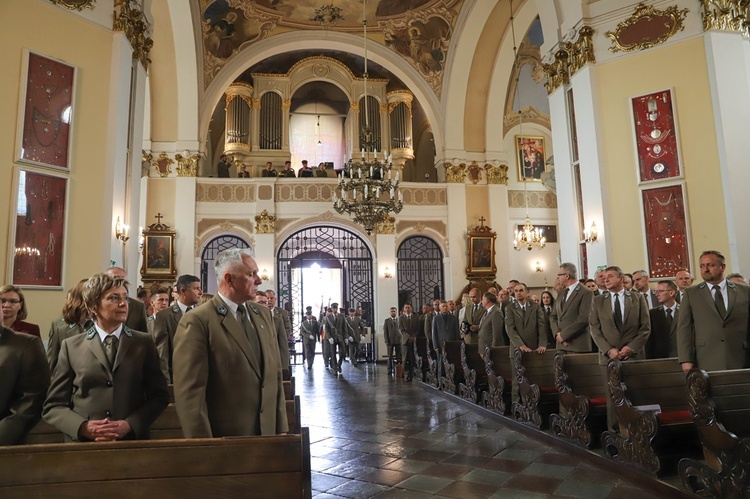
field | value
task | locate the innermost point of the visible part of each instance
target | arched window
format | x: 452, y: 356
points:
x: 420, y: 271
x: 213, y: 248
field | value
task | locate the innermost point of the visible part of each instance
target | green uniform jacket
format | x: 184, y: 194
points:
x: 636, y: 325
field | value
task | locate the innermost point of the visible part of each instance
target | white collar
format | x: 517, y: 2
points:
x: 103, y: 334
x: 232, y: 305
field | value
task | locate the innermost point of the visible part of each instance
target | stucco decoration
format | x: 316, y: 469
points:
x: 537, y: 199
x: 421, y: 226
x: 304, y: 192
x: 234, y: 227
x: 225, y: 193
x: 224, y: 224
x: 424, y: 196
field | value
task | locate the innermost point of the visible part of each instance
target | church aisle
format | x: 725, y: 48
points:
x: 372, y: 436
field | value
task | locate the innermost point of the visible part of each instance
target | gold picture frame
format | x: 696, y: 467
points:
x: 531, y: 157
x: 158, y: 253
x: 481, y: 252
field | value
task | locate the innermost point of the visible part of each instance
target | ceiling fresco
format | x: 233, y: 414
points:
x: 417, y: 30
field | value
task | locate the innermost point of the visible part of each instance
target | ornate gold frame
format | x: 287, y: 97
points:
x: 74, y: 4
x: 481, y: 252
x: 156, y: 233
x: 647, y: 12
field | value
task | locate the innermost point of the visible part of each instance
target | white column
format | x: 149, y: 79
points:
x: 386, y: 290
x: 265, y: 257
x: 498, y: 218
x: 728, y: 59
x: 134, y: 205
x: 455, y: 266
x: 183, y: 218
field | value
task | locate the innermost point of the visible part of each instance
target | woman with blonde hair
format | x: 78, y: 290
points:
x: 15, y: 311
x: 75, y: 319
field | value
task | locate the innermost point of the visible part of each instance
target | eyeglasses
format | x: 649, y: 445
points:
x: 12, y: 301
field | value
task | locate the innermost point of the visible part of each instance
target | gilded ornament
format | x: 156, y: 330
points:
x: 570, y: 58
x: 669, y: 20
x: 420, y: 227
x: 387, y: 225
x: 286, y: 104
x: 455, y: 174
x: 265, y: 223
x: 163, y: 164
x: 726, y: 15
x: 496, y: 174
x: 474, y: 172
x: 354, y: 106
x: 78, y: 5
x: 187, y: 166
x: 129, y: 19
x: 226, y: 226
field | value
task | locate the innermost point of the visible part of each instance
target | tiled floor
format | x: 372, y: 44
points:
x: 373, y: 436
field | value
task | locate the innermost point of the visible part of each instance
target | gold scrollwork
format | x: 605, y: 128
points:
x: 496, y: 174
x: 129, y: 19
x: 75, y: 4
x: 255, y: 103
x: 265, y: 223
x: 163, y: 165
x: 387, y: 225
x: 187, y: 166
x: 455, y: 174
x: 569, y: 59
x: 726, y: 15
x: 286, y: 104
x: 354, y: 106
x: 647, y: 14
x: 393, y: 105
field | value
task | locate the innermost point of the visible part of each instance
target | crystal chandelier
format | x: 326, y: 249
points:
x: 368, y: 189
x: 529, y: 237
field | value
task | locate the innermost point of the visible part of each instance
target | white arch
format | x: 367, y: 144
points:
x: 310, y: 223
x: 323, y: 40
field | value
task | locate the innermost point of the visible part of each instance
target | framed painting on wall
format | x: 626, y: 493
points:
x: 39, y: 223
x: 666, y: 230
x: 656, y: 138
x: 481, y: 248
x: 531, y: 158
x: 46, y: 112
x: 158, y: 253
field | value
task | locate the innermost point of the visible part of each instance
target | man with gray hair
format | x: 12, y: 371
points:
x: 569, y: 318
x: 640, y: 283
x: 227, y: 372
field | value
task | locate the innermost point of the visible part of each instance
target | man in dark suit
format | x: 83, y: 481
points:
x: 392, y: 337
x: 336, y: 334
x: 409, y: 328
x: 473, y: 316
x: 569, y: 319
x: 619, y: 325
x: 640, y: 283
x: 526, y: 327
x: 227, y: 376
x: 288, y: 171
x: 444, y: 328
x: 305, y: 171
x: 310, y: 332
x: 432, y: 311
x: 269, y: 171
x: 136, y: 320
x: 23, y: 384
x: 165, y: 324
x: 683, y: 279
x: 491, y: 325
x: 712, y: 330
x: 223, y: 167
x: 662, y: 343
x: 355, y: 329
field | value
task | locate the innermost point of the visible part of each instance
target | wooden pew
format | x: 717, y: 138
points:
x: 268, y: 467
x: 720, y: 408
x: 583, y: 398
x: 452, y: 374
x: 422, y: 354
x: 647, y: 440
x: 475, y: 373
x: 499, y: 371
x: 537, y: 392
x: 431, y: 376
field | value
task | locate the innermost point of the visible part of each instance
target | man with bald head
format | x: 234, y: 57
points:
x: 683, y: 279
x: 136, y: 309
x: 474, y: 313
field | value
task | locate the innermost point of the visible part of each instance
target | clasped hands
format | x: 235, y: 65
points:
x: 104, y: 430
x: 623, y: 354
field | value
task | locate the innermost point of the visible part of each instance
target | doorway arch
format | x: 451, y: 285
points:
x: 420, y: 272
x: 331, y: 248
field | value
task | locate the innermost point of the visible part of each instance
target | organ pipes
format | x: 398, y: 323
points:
x: 238, y: 98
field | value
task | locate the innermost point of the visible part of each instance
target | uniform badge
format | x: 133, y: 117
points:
x: 255, y: 310
x: 176, y: 309
x: 221, y: 310
x: 127, y: 331
x: 90, y: 333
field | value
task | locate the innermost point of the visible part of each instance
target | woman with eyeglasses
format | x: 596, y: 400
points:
x: 15, y: 311
x: 108, y: 383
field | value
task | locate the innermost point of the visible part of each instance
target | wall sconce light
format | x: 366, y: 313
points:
x: 121, y: 231
x: 592, y: 234
x: 387, y: 273
x: 538, y: 266
x: 264, y: 274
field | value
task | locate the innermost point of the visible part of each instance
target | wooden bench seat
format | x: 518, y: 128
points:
x: 538, y: 395
x: 475, y: 373
x: 720, y: 406
x: 267, y: 467
x: 422, y: 356
x: 583, y: 398
x: 499, y: 370
x: 646, y: 440
x: 453, y: 374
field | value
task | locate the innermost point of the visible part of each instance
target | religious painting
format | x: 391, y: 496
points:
x: 667, y: 238
x: 46, y: 112
x: 531, y: 158
x: 39, y: 229
x: 656, y: 136
x: 481, y: 255
x: 158, y: 252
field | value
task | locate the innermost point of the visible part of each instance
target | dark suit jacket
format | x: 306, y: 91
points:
x: 223, y: 169
x: 165, y: 325
x: 529, y: 328
x: 571, y: 319
x: 709, y: 341
x: 491, y: 328
x: 136, y: 320
x: 306, y: 329
x: 84, y: 387
x: 319, y: 173
x: 287, y: 173
x: 24, y: 380
x: 636, y: 326
x: 391, y: 331
x: 59, y: 331
x: 662, y: 342
x: 444, y: 330
x: 654, y: 299
x: 355, y: 328
x: 269, y: 173
x: 306, y: 173
x: 409, y: 328
x: 220, y: 387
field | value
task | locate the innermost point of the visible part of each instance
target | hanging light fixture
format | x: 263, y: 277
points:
x: 368, y: 189
x: 528, y: 237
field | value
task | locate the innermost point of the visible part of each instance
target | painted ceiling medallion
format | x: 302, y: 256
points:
x: 646, y: 28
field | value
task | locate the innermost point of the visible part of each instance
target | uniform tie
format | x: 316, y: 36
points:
x: 251, y: 333
x: 564, y: 295
x: 669, y: 318
x: 618, y: 313
x: 110, y: 349
x: 719, y: 299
